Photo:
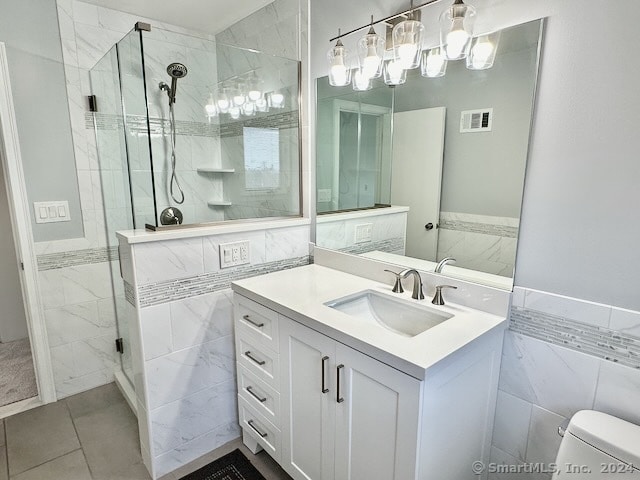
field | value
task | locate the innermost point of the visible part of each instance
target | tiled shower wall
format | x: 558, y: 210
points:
x: 185, y: 371
x: 561, y: 355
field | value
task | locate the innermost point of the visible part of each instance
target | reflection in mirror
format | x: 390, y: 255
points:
x: 433, y: 168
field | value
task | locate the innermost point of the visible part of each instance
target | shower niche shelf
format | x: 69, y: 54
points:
x: 215, y: 170
x: 219, y: 203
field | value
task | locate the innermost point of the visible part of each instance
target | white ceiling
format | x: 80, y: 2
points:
x: 211, y: 16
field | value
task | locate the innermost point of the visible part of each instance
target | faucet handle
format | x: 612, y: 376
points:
x: 437, y: 298
x: 397, y: 286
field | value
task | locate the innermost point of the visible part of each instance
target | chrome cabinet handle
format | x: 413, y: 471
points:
x: 255, y: 324
x: 324, y: 359
x: 251, y: 357
x: 255, y: 395
x: 339, y: 399
x: 250, y: 422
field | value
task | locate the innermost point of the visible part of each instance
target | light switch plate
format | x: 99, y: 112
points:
x: 50, y: 212
x: 234, y: 253
x: 364, y: 233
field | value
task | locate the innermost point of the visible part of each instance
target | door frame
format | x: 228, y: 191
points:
x: 339, y: 106
x: 19, y: 213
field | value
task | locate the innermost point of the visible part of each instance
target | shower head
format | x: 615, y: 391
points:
x: 175, y: 71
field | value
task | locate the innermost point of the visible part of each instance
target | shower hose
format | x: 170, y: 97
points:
x: 174, y: 178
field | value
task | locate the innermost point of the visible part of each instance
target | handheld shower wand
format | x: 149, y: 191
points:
x: 175, y: 71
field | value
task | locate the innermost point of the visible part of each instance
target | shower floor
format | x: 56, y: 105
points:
x: 17, y: 377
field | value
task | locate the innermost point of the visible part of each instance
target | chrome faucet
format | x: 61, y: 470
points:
x: 442, y: 263
x: 417, y: 293
x: 437, y: 298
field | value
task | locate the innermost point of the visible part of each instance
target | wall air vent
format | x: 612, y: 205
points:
x: 476, y: 120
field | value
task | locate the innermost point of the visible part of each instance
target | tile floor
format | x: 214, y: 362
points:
x: 91, y: 436
x: 17, y: 377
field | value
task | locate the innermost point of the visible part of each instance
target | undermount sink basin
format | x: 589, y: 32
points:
x: 394, y: 314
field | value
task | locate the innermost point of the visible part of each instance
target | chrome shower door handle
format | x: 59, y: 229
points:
x: 322, y: 366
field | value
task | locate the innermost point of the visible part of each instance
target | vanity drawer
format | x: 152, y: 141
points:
x: 259, y: 360
x: 262, y: 430
x: 259, y: 320
x: 259, y: 395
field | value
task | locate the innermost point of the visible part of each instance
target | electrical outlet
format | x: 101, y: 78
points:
x: 364, y: 233
x: 234, y: 254
x: 49, y: 212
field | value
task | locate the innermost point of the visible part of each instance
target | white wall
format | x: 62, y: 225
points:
x: 13, y: 324
x: 577, y: 236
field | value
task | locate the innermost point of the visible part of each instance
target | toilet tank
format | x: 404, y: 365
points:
x: 599, y: 446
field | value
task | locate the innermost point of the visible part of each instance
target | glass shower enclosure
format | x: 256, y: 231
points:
x: 229, y: 151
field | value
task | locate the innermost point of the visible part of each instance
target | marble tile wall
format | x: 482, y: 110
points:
x: 388, y: 234
x: 550, y: 372
x: 479, y: 242
x: 185, y: 380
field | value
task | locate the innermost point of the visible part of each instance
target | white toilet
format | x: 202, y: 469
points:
x: 598, y: 446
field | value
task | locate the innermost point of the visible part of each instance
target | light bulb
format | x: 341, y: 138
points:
x: 254, y: 95
x: 434, y: 63
x: 210, y: 108
x: 239, y: 99
x: 339, y: 74
x: 406, y: 54
x: 361, y: 81
x: 277, y: 100
x: 249, y: 109
x: 223, y: 103
x: 370, y: 65
x: 234, y: 112
x: 261, y: 105
x: 371, y: 49
x: 456, y: 27
x: 394, y: 73
x: 457, y: 40
x: 483, y: 51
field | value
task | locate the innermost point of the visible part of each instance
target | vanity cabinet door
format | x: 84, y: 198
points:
x: 377, y: 420
x: 308, y: 392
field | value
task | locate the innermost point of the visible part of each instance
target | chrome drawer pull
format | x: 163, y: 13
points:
x: 251, y: 357
x: 256, y: 324
x: 324, y: 359
x: 250, y: 422
x: 339, y: 399
x: 254, y: 395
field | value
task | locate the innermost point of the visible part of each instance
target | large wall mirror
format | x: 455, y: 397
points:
x: 433, y: 168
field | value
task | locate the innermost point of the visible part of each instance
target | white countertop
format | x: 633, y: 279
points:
x: 301, y: 293
x: 231, y: 226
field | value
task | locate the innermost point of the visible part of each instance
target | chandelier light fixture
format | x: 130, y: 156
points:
x: 376, y: 58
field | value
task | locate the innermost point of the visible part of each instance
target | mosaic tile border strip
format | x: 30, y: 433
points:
x: 137, y: 124
x: 53, y: 261
x: 597, y: 341
x: 391, y: 245
x: 475, y: 227
x: 172, y: 290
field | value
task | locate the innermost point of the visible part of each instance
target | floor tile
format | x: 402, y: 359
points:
x: 94, y: 400
x: 4, y: 471
x: 71, y: 466
x: 109, y: 438
x: 39, y: 435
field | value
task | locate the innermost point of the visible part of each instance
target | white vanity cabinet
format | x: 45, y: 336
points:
x: 326, y: 411
x: 348, y: 416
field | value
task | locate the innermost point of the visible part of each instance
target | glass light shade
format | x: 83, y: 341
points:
x: 238, y: 97
x: 249, y: 109
x: 394, y: 73
x: 456, y: 29
x: 361, y: 80
x: 234, y: 112
x: 276, y: 99
x: 371, y: 53
x: 339, y: 71
x: 223, y: 102
x: 434, y: 63
x: 254, y: 87
x: 210, y: 108
x: 407, y: 43
x: 261, y: 105
x: 482, y: 53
